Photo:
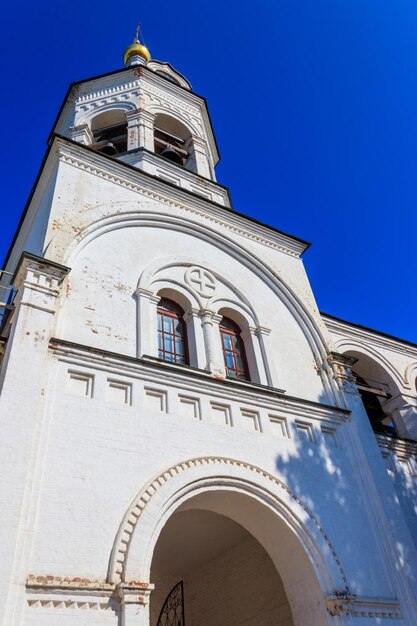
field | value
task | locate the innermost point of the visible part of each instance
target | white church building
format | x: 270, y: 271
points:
x: 186, y: 440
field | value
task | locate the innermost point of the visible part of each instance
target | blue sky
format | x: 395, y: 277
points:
x: 314, y: 106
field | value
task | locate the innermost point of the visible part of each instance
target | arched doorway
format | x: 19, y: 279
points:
x: 258, y: 508
x: 217, y: 571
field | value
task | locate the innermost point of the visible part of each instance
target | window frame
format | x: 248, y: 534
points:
x: 176, y: 313
x: 234, y: 331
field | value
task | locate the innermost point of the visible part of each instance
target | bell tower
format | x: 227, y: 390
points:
x: 147, y: 116
x: 181, y: 429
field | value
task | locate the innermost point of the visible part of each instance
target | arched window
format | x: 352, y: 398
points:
x: 233, y: 350
x: 172, y: 336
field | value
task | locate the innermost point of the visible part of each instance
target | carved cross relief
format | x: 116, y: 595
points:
x: 202, y: 281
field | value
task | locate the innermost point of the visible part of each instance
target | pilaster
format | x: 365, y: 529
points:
x: 254, y: 355
x: 134, y: 602
x: 147, y: 322
x: 341, y: 367
x: 403, y: 410
x: 38, y: 283
x: 376, y: 490
x: 199, y: 161
x: 263, y: 335
x: 24, y: 386
x: 140, y: 124
x: 82, y: 134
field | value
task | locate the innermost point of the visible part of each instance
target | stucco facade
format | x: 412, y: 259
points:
x: 113, y: 460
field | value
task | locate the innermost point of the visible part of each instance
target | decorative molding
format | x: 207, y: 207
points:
x: 65, y: 583
x: 117, y: 568
x: 276, y: 242
x: 53, y: 603
x: 368, y: 337
x: 59, y: 592
x: 359, y: 606
x: 105, y: 92
x: 200, y: 280
x: 155, y: 92
x: 401, y: 447
x: 271, y: 399
x: 167, y: 69
x: 341, y: 365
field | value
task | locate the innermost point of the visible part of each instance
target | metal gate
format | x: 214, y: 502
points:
x: 172, y: 612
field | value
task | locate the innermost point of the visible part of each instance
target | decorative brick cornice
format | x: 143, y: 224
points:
x: 84, y: 593
x: 67, y: 583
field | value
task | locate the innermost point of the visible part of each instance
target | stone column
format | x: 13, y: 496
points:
x: 195, y: 338
x: 82, y: 134
x: 214, y: 355
x: 134, y: 603
x: 147, y: 335
x: 403, y: 409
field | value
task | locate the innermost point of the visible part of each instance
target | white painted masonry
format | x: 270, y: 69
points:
x: 306, y: 516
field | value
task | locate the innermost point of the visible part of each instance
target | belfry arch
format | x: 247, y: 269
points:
x: 275, y: 528
x: 377, y: 383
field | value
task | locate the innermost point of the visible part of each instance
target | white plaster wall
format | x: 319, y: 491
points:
x: 100, y: 454
x: 100, y: 296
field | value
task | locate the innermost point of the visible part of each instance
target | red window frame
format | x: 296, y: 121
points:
x: 234, y: 353
x: 172, y: 333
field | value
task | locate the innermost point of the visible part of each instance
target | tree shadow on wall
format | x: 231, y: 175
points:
x: 320, y: 469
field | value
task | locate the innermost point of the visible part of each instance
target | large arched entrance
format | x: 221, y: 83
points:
x: 239, y: 509
x: 219, y: 572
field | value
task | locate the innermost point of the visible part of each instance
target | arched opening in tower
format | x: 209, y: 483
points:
x: 376, y: 387
x: 172, y: 140
x: 110, y: 132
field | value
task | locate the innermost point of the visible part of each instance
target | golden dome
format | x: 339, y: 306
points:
x: 136, y: 48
